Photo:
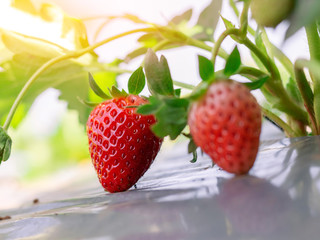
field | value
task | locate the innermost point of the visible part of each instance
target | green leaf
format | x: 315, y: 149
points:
x: 88, y: 104
x: 171, y: 114
x: 206, y: 70
x: 257, y: 84
x: 306, y: 92
x: 19, y: 43
x: 136, y: 81
x: 233, y: 62
x: 70, y: 78
x: 105, y: 80
x: 305, y: 13
x: 158, y: 75
x: 135, y: 53
x: 177, y: 102
x: 192, y: 147
x: 116, y: 93
x: 95, y: 87
x: 260, y: 44
x: 228, y: 24
x: 293, y: 90
x: 150, y: 108
x: 185, y: 16
x: 5, y: 145
x: 209, y: 18
x: 75, y: 28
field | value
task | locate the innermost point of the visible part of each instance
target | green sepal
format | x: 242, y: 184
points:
x: 192, y: 146
x: 151, y: 107
x: 228, y: 24
x: 257, y: 84
x: 95, y: 87
x: 206, y: 69
x: 233, y: 63
x: 195, y: 157
x: 158, y: 75
x: 136, y: 81
x: 116, y: 93
x: 171, y: 114
x: 259, y: 43
x: 293, y: 90
x: 5, y: 145
x: 87, y: 103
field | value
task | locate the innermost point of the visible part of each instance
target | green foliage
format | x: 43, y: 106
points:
x: 5, y: 145
x: 95, y: 87
x: 206, y: 70
x: 26, y: 54
x: 208, y: 20
x: 257, y: 84
x: 233, y: 63
x: 171, y: 114
x: 136, y: 81
x: 158, y: 75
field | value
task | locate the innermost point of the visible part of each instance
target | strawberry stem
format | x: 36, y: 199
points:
x: 244, y: 18
x: 45, y: 66
x: 275, y: 86
x: 184, y: 85
x: 314, y: 49
x: 306, y: 93
x: 222, y: 37
x: 278, y: 54
x: 288, y: 130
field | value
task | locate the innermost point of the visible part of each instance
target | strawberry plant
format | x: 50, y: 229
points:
x: 217, y: 114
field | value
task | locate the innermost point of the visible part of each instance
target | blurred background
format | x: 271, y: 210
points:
x: 49, y: 141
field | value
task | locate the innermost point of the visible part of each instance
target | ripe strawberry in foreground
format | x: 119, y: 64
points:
x: 226, y: 124
x: 121, y: 143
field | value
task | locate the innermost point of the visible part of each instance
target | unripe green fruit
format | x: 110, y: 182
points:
x: 269, y: 13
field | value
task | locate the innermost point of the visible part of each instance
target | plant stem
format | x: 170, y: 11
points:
x: 217, y: 44
x: 274, y: 85
x: 196, y: 43
x: 313, y: 41
x: 307, y: 95
x: 55, y: 60
x: 234, y: 8
x: 184, y: 85
x: 244, y: 17
x: 270, y: 66
x: 278, y: 54
x: 251, y: 71
x: 314, y: 49
x: 288, y: 130
x: 161, y: 45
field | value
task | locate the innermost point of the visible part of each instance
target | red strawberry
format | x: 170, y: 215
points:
x: 121, y: 143
x: 226, y: 124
